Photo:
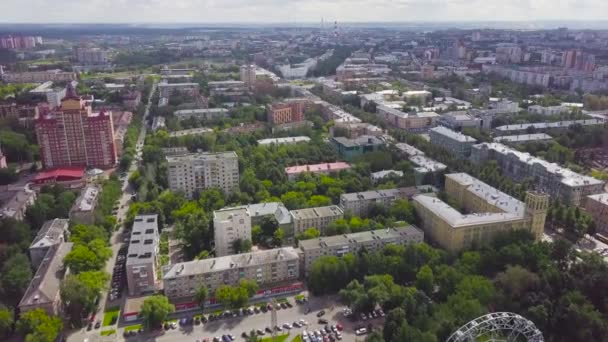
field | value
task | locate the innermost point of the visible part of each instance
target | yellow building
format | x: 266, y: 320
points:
x: 482, y: 212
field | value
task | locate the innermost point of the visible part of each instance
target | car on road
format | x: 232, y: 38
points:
x: 287, y: 326
x: 322, y: 321
x: 321, y: 313
x: 361, y: 331
x: 97, y: 324
x: 268, y: 330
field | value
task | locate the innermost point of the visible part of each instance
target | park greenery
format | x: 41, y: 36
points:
x: 428, y: 293
x: 155, y: 310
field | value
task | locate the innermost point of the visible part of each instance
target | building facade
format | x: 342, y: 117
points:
x: 73, y: 135
x: 230, y: 225
x: 83, y: 210
x: 247, y: 73
x: 490, y: 212
x: 457, y: 143
x: 268, y: 267
x: 560, y: 183
x: 205, y: 114
x: 52, y: 233
x: 142, y: 256
x: 190, y: 173
x: 319, y: 217
x: 349, y: 149
x: 597, y: 207
x: 39, y: 76
x: 339, y: 245
x: 291, y: 110
x: 360, y: 203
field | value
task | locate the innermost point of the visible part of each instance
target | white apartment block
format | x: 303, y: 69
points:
x: 268, y: 267
x: 360, y: 203
x: 193, y: 172
x: 319, y: 217
x: 142, y: 256
x: 339, y: 245
x: 230, y: 225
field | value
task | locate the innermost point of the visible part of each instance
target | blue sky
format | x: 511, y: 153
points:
x: 176, y: 11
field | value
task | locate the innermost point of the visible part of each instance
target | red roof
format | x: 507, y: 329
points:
x: 61, y: 174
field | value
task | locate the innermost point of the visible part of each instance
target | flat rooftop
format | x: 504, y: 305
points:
x: 317, y: 167
x: 359, y: 238
x: 378, y: 194
x: 427, y: 164
x: 287, y: 140
x: 229, y: 262
x: 363, y: 140
x: 549, y: 125
x: 202, y: 156
x: 191, y: 131
x: 50, y: 233
x: 453, y: 134
x: 523, y: 138
x: 408, y: 149
x: 144, y: 240
x: 87, y: 199
x: 311, y: 213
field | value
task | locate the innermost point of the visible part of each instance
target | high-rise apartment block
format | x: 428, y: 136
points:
x: 486, y: 212
x: 457, y: 143
x: 73, y: 135
x: 19, y: 42
x: 230, y: 225
x: 291, y: 110
x: 142, y: 256
x: 360, y: 203
x: 182, y: 280
x: 319, y: 217
x: 193, y: 172
x: 560, y: 183
x: 90, y: 55
x: 339, y: 245
x: 248, y: 75
x: 597, y: 207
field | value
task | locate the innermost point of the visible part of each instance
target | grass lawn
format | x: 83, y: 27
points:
x: 110, y: 317
x: 108, y: 332
x: 280, y: 338
x: 297, y: 339
x: 133, y: 327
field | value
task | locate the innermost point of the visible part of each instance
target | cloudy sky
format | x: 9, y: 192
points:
x: 201, y: 11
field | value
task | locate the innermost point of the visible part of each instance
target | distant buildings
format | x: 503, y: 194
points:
x: 90, y: 55
x: 597, y: 207
x: 350, y: 149
x: 43, y: 292
x: 247, y: 73
x: 416, y: 121
x: 552, y: 110
x: 17, y: 202
x: 326, y: 168
x: 230, y: 225
x: 291, y: 110
x: 204, y: 114
x: 486, y: 211
x: 523, y: 138
x: 544, y: 126
x: 52, y: 233
x: 378, y: 176
x: 560, y: 183
x: 354, y: 129
x: 142, y: 256
x: 83, y: 210
x: 371, y: 241
x: 230, y: 89
x: 131, y: 99
x: 167, y: 89
x: 74, y: 135
x: 273, y: 266
x: 198, y: 171
x: 25, y: 114
x: 319, y: 217
x: 19, y: 42
x: 360, y: 203
x: 38, y: 76
x: 458, y: 144
x: 191, y: 131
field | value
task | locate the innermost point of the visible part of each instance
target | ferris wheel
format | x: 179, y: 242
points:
x: 498, y: 326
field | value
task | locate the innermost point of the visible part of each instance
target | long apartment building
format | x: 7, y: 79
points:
x: 43, y: 292
x: 74, y: 135
x: 52, y: 233
x: 182, y: 280
x: 319, y: 217
x: 457, y: 143
x: 206, y: 114
x: 418, y: 121
x: 142, y: 256
x: 560, y: 183
x: 486, y: 211
x: 545, y: 126
x: 339, y: 245
x: 597, y: 207
x: 83, y: 210
x: 193, y: 172
x: 360, y: 203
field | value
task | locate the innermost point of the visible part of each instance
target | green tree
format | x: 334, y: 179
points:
x: 278, y: 236
x: 16, y: 276
x: 6, y: 320
x: 90, y: 257
x: 425, y: 280
x: 201, y: 295
x: 36, y: 326
x: 155, y: 310
x: 250, y: 286
x: 80, y: 292
x: 310, y: 233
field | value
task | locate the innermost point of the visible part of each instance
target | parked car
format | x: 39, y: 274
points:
x: 322, y: 321
x: 321, y: 313
x: 361, y: 331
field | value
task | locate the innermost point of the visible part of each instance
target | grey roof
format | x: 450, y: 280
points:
x: 549, y: 125
x: 363, y: 140
x: 87, y: 199
x: 50, y: 233
x: 490, y: 194
x: 228, y: 262
x: 406, y: 233
x: 44, y: 286
x: 200, y: 111
x: 144, y: 240
x: 602, y: 198
x: 202, y: 156
x: 427, y: 164
x: 327, y: 211
x: 386, y: 173
x: 286, y: 140
x: 191, y: 131
x: 408, y: 149
x: 567, y: 176
x: 523, y: 138
x: 277, y: 209
x: 452, y: 134
x: 377, y: 194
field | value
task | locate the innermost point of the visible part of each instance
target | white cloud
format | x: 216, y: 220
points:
x: 202, y: 11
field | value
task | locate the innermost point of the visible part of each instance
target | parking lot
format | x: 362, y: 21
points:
x: 293, y: 320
